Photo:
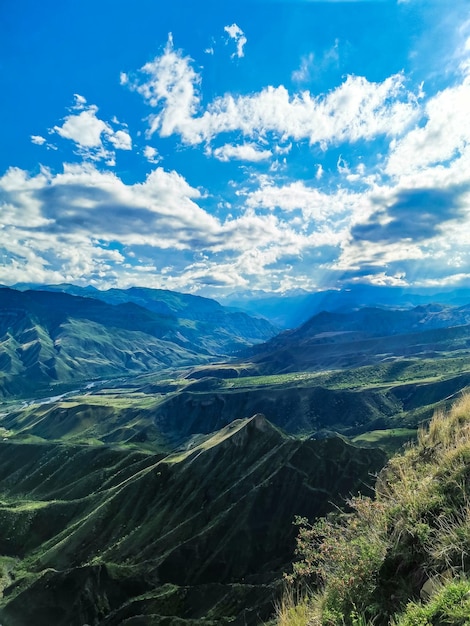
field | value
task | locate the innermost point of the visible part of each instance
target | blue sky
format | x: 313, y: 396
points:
x: 224, y: 147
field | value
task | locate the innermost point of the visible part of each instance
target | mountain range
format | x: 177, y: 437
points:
x: 370, y: 335
x: 156, y: 447
x: 55, y: 337
x: 292, y: 309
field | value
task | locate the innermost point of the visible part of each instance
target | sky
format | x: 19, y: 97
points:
x: 236, y: 146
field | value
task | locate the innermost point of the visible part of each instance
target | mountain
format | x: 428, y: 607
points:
x: 223, y: 322
x: 54, y: 337
x: 369, y: 335
x: 292, y: 309
x: 103, y: 536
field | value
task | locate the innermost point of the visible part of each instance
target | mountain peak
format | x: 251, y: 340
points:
x: 259, y: 422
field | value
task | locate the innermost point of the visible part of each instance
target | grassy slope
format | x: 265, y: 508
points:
x: 103, y: 535
x: 403, y: 558
x: 48, y: 337
x: 388, y: 396
x: 34, y: 356
x: 106, y: 418
x: 157, y: 414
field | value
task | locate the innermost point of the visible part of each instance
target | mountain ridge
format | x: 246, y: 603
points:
x: 191, y: 520
x: 49, y: 337
x: 336, y: 340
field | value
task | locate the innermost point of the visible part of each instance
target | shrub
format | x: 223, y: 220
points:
x: 368, y: 563
x: 344, y: 554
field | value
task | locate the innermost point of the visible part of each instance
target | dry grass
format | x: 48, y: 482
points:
x: 418, y: 528
x: 294, y: 608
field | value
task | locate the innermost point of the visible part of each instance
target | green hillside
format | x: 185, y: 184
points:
x: 102, y: 536
x: 398, y: 394
x: 150, y: 496
x: 157, y: 413
x: 400, y: 559
x: 364, y: 337
x: 48, y: 338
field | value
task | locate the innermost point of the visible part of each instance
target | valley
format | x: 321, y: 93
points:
x: 147, y: 477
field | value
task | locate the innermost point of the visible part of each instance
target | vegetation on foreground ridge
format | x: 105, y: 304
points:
x: 403, y: 558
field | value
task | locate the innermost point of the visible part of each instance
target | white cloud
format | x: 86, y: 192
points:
x: 85, y: 129
x: 244, y: 152
x: 169, y: 79
x: 80, y: 101
x: 87, y: 226
x: 236, y: 33
x: 311, y: 202
x: 342, y: 166
x: 283, y: 149
x: 90, y: 134
x: 120, y: 139
x: 443, y: 133
x: 151, y: 154
x: 38, y: 140
x: 356, y: 109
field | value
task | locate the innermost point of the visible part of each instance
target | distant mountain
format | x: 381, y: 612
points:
x: 335, y: 340
x: 379, y: 322
x: 248, y: 328
x: 108, y: 537
x: 161, y: 301
x: 293, y: 309
x: 49, y: 336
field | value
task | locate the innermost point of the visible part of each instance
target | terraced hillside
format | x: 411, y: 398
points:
x: 105, y: 536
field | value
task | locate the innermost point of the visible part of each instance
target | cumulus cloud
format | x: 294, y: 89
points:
x: 169, y: 81
x: 120, y: 139
x: 311, y: 202
x: 161, y: 210
x: 397, y: 214
x: 92, y: 135
x: 442, y: 134
x: 235, y: 32
x: 85, y: 129
x: 80, y: 101
x: 85, y: 225
x: 357, y: 109
x: 413, y: 215
x: 38, y: 140
x: 88, y: 226
x: 151, y: 154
